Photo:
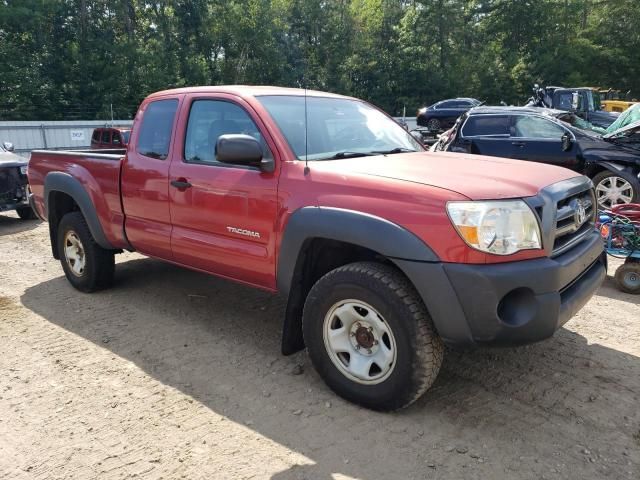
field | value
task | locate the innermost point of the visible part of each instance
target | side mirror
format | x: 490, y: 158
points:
x: 575, y: 101
x: 8, y: 146
x: 239, y: 149
x: 567, y: 142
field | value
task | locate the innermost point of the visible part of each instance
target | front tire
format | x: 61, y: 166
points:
x: 616, y: 188
x: 87, y: 265
x: 370, y: 336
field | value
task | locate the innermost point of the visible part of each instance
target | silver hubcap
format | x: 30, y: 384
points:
x: 74, y: 253
x: 359, y: 342
x: 613, y: 191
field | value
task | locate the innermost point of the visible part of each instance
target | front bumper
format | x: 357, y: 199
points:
x: 510, y: 303
x: 13, y: 205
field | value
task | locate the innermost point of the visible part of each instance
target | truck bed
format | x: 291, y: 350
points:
x: 97, y: 171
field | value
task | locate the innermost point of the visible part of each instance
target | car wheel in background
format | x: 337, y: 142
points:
x: 615, y: 188
x: 434, y: 125
x: 26, y: 213
x: 628, y: 277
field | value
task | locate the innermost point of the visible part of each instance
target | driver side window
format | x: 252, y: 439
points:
x: 208, y: 120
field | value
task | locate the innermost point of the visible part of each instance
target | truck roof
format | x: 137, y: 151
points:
x: 247, y: 91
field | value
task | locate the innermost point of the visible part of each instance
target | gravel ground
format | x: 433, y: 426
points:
x: 174, y: 374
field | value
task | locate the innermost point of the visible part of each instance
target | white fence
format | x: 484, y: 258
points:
x: 67, y: 135
x: 61, y: 135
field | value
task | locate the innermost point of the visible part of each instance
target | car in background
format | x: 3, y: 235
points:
x: 110, y: 138
x: 442, y: 115
x: 14, y: 189
x: 612, y: 161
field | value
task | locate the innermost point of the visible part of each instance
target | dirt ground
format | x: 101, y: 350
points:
x: 174, y: 374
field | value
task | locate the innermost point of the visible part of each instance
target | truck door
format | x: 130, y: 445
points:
x: 540, y: 139
x: 145, y: 179
x: 223, y: 215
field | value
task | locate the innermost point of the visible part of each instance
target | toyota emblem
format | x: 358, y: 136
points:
x: 580, y: 215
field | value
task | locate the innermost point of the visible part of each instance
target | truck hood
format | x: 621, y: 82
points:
x: 474, y: 176
x: 8, y: 159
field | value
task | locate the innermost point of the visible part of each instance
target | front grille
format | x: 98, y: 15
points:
x: 575, y: 217
x: 12, y: 184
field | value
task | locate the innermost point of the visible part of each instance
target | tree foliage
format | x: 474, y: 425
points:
x: 64, y: 59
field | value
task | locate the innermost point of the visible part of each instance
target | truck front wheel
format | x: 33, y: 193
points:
x: 87, y: 266
x: 370, y: 336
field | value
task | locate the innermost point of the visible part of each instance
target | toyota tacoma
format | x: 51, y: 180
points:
x: 384, y: 252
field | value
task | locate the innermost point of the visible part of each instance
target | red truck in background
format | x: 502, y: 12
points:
x: 110, y: 138
x: 385, y: 252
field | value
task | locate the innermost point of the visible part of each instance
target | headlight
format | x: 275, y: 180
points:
x: 23, y: 170
x: 501, y: 227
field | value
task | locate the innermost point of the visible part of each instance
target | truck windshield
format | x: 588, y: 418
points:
x: 337, y: 127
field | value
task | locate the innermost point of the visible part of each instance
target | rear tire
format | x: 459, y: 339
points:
x: 615, y: 188
x: 87, y: 265
x: 370, y: 337
x: 26, y: 213
x: 628, y: 277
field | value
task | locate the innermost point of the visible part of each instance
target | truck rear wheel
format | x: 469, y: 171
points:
x: 370, y: 336
x: 87, y: 265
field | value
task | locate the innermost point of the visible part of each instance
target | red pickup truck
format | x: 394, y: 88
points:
x: 384, y: 252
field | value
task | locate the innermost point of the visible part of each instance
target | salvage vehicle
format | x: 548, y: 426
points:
x: 110, y: 137
x: 583, y: 101
x: 612, y: 161
x: 13, y: 183
x: 442, y: 115
x: 616, y: 101
x: 384, y: 251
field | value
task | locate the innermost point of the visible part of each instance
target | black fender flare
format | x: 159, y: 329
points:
x: 65, y: 183
x: 357, y: 228
x: 615, y: 167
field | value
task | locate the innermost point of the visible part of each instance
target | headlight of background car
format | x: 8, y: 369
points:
x: 23, y: 170
x: 500, y: 227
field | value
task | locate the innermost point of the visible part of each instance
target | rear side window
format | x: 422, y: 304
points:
x: 156, y: 128
x: 105, y: 136
x: 447, y: 104
x: 115, y: 139
x: 485, y: 125
x: 536, y: 127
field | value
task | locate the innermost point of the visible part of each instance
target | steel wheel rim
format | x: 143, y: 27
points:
x: 612, y: 191
x: 632, y: 279
x: 359, y: 342
x: 74, y: 253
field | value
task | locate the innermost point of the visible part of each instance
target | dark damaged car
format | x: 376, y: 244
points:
x: 14, y: 190
x: 555, y: 137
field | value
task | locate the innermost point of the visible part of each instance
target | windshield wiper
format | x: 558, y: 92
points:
x: 347, y: 154
x: 392, y: 151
